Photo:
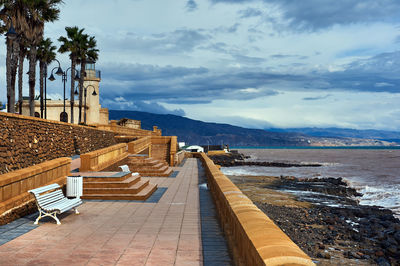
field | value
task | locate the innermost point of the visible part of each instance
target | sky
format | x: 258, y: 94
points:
x: 254, y: 63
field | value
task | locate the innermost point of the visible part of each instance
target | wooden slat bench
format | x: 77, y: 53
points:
x: 50, y: 200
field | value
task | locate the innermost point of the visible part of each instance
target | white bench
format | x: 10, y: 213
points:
x: 51, y: 203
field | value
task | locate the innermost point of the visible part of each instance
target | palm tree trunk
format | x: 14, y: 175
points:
x: 8, y: 72
x: 20, y: 76
x: 73, y: 63
x: 41, y: 79
x: 83, y: 64
x: 32, y: 75
x: 14, y: 66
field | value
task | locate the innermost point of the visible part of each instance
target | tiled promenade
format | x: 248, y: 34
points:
x: 120, y: 232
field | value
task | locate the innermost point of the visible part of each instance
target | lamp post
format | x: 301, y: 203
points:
x: 62, y: 73
x: 85, y: 95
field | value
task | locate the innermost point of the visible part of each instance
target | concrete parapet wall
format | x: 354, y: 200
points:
x: 26, y: 141
x: 179, y: 156
x: 164, y: 148
x: 100, y: 159
x: 14, y: 186
x: 253, y: 237
x: 121, y: 130
x: 140, y: 145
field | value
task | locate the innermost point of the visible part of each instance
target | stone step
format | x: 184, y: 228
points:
x: 142, y: 195
x: 133, y: 189
x: 166, y: 173
x: 113, y: 184
x: 118, y: 176
x: 150, y: 162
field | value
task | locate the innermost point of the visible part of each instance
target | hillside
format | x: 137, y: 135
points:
x: 198, y: 132
x: 334, y: 132
x: 203, y: 133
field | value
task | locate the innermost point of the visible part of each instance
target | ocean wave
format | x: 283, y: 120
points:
x: 385, y: 196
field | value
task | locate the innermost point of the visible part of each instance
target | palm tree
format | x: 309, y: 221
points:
x: 45, y: 54
x: 37, y: 13
x: 88, y: 52
x: 72, y: 44
x: 9, y: 15
x: 22, y: 54
x: 28, y: 18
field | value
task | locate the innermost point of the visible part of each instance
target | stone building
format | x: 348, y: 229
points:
x: 55, y: 108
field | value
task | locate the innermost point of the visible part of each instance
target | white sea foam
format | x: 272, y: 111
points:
x: 385, y: 196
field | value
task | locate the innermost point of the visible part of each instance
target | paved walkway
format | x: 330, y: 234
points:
x: 120, y: 232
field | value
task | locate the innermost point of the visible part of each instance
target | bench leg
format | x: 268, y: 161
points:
x: 51, y: 214
x: 76, y: 210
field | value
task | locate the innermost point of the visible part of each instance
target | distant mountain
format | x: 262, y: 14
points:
x: 202, y: 133
x: 333, y: 132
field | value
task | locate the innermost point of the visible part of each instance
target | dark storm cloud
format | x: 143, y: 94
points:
x: 249, y: 12
x: 317, y: 14
x: 175, y: 42
x: 285, y: 56
x: 120, y: 103
x: 136, y: 84
x: 184, y: 85
x: 191, y: 5
x: 316, y: 98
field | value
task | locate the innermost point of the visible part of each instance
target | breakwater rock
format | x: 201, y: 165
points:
x: 333, y: 228
x: 238, y: 159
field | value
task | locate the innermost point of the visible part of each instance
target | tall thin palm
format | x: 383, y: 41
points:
x: 88, y: 52
x: 38, y: 12
x: 45, y: 54
x: 22, y: 54
x: 72, y: 44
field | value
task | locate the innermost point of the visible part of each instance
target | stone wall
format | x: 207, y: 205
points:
x: 26, y: 141
x: 14, y: 186
x: 254, y: 239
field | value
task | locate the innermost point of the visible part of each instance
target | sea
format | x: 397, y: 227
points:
x: 373, y: 171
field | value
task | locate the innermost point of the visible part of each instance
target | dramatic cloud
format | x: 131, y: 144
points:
x: 316, y: 15
x: 120, y: 103
x: 280, y: 62
x: 191, y: 5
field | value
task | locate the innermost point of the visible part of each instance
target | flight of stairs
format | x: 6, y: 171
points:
x: 148, y: 166
x: 119, y: 186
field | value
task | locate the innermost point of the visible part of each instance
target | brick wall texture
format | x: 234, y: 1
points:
x: 26, y: 141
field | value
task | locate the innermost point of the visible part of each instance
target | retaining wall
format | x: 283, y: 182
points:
x: 100, y: 159
x: 254, y: 239
x: 26, y: 141
x: 14, y: 186
x: 140, y: 145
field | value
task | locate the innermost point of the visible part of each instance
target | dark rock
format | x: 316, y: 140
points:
x: 382, y: 262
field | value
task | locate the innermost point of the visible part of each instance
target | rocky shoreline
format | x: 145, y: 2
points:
x: 323, y: 217
x: 237, y: 159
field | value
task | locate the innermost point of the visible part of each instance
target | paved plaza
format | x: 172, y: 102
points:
x: 167, y: 232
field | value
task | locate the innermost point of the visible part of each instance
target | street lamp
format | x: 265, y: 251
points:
x: 62, y: 73
x: 85, y: 95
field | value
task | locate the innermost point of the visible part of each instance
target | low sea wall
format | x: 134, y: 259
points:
x: 179, y: 156
x: 14, y: 186
x: 27, y: 141
x: 254, y: 239
x: 100, y: 159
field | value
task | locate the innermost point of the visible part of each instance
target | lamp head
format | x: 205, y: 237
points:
x: 77, y: 78
x: 76, y: 92
x: 11, y: 33
x: 59, y: 71
x: 51, y: 78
